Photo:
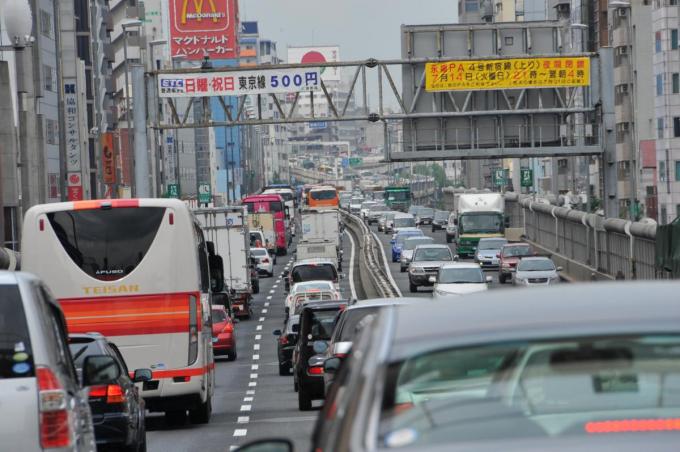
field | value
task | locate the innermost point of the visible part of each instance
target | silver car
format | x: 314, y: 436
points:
x: 410, y: 245
x: 42, y: 404
x: 488, y: 252
x: 536, y: 271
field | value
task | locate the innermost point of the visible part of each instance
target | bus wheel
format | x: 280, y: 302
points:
x: 201, y: 415
x: 175, y: 417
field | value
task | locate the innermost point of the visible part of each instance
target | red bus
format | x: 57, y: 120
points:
x: 272, y: 203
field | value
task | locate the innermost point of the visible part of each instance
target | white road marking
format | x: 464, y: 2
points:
x: 253, y: 376
x: 256, y: 357
x: 269, y: 297
x: 246, y: 407
x: 266, y: 303
x: 243, y: 419
x: 240, y: 432
x: 275, y: 286
x: 264, y: 311
x: 255, y: 367
x: 256, y: 347
x: 258, y: 337
x: 250, y: 392
x: 252, y: 384
x: 272, y: 291
x: 258, y: 328
x: 352, y: 288
x: 278, y: 281
x: 248, y: 399
x: 261, y: 319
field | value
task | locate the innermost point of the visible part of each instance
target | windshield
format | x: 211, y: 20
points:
x: 258, y: 252
x: 426, y: 212
x: 81, y: 348
x: 460, y: 276
x: 219, y: 315
x: 491, y: 244
x: 484, y: 222
x: 324, y: 272
x: 413, y: 210
x: 402, y: 195
x: 319, y: 285
x: 514, y: 251
x: 531, y: 389
x: 107, y: 244
x: 323, y: 195
x: 14, y: 336
x: 535, y: 265
x: 404, y: 222
x: 432, y: 254
x: 412, y: 242
x: 401, y: 238
x: 379, y: 208
x: 368, y: 204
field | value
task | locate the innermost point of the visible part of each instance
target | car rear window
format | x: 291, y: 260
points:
x: 258, y: 252
x: 352, y: 319
x: 219, y: 315
x: 107, y: 244
x: 16, y: 356
x: 314, y: 272
x: 81, y: 348
x: 321, y: 323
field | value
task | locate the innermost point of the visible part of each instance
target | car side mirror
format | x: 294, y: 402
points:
x: 559, y: 269
x: 142, y: 375
x: 489, y: 279
x: 285, y: 273
x: 100, y: 370
x: 432, y: 279
x: 277, y: 333
x: 267, y: 445
x: 320, y: 347
x: 331, y: 365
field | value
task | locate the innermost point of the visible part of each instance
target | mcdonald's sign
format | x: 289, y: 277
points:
x: 204, y: 27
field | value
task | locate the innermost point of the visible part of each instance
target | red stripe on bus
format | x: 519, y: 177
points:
x: 129, y: 315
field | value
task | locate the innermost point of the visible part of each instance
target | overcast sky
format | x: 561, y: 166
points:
x: 362, y: 28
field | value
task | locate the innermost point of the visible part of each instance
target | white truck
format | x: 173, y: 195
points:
x: 478, y: 215
x: 321, y: 226
x: 227, y: 229
x: 264, y: 222
x: 319, y: 249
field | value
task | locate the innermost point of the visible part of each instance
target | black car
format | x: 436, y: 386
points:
x: 425, y: 215
x: 317, y: 320
x: 441, y: 220
x: 287, y: 338
x: 117, y: 409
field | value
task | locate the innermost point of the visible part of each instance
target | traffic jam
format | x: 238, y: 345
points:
x: 454, y: 363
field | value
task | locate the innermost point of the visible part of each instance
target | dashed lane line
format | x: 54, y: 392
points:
x: 258, y: 328
x: 256, y: 357
x: 240, y: 432
x: 243, y: 420
x: 261, y: 319
x: 255, y: 367
x: 256, y: 347
x: 246, y: 407
x: 253, y: 376
x: 258, y: 337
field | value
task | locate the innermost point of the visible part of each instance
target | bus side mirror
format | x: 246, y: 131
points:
x: 211, y: 248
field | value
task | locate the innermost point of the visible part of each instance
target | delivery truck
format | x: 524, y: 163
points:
x: 478, y: 216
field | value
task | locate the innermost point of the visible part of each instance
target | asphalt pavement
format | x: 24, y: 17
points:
x: 251, y: 400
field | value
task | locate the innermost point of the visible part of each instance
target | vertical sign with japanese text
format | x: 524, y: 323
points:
x: 201, y: 28
x: 72, y: 139
x: 108, y: 159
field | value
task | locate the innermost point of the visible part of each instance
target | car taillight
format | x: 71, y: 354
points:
x: 265, y: 261
x: 228, y: 328
x: 283, y: 340
x: 55, y: 428
x: 316, y: 370
x: 113, y: 393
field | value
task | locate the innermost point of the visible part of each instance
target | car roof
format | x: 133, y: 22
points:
x: 588, y: 309
x: 516, y: 244
x: 460, y: 265
x: 314, y: 281
x: 403, y: 215
x: 94, y: 336
x: 378, y: 302
x: 433, y: 245
x: 314, y: 260
x: 492, y: 239
x: 536, y: 258
x: 258, y: 248
x: 420, y: 237
x: 324, y: 304
x: 409, y: 230
x: 9, y: 277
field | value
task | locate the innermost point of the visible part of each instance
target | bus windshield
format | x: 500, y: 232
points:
x: 401, y: 195
x: 323, y: 195
x: 107, y: 244
x: 273, y: 206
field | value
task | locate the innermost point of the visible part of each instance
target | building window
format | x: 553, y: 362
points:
x: 471, y: 6
x: 45, y: 23
x: 53, y: 179
x: 49, y: 79
x: 51, y: 131
x: 659, y: 127
x: 676, y: 127
x: 659, y: 85
x: 663, y: 215
x: 676, y: 82
x: 662, y: 171
x: 674, y: 39
x: 677, y: 170
x: 673, y: 2
x: 657, y: 41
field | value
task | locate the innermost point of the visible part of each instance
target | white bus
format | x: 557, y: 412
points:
x: 136, y: 271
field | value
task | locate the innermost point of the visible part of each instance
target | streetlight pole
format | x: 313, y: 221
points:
x: 125, y: 26
x: 156, y: 110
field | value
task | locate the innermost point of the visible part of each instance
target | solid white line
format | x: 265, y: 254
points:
x: 252, y: 376
x: 261, y: 319
x: 258, y: 337
x: 248, y: 399
x: 264, y: 311
x: 256, y: 357
x: 352, y: 287
x: 256, y: 347
x: 243, y: 420
x: 258, y: 328
x: 250, y: 392
x: 387, y: 265
x: 240, y: 432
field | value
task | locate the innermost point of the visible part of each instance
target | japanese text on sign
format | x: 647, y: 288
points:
x: 199, y: 28
x: 238, y: 83
x: 466, y: 75
x: 72, y: 129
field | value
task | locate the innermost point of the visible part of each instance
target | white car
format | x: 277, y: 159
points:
x: 365, y: 208
x: 536, y: 271
x: 265, y: 263
x: 459, y: 278
x: 403, y: 221
x: 306, y: 286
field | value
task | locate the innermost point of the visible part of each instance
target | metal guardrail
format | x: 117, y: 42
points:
x: 373, y: 259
